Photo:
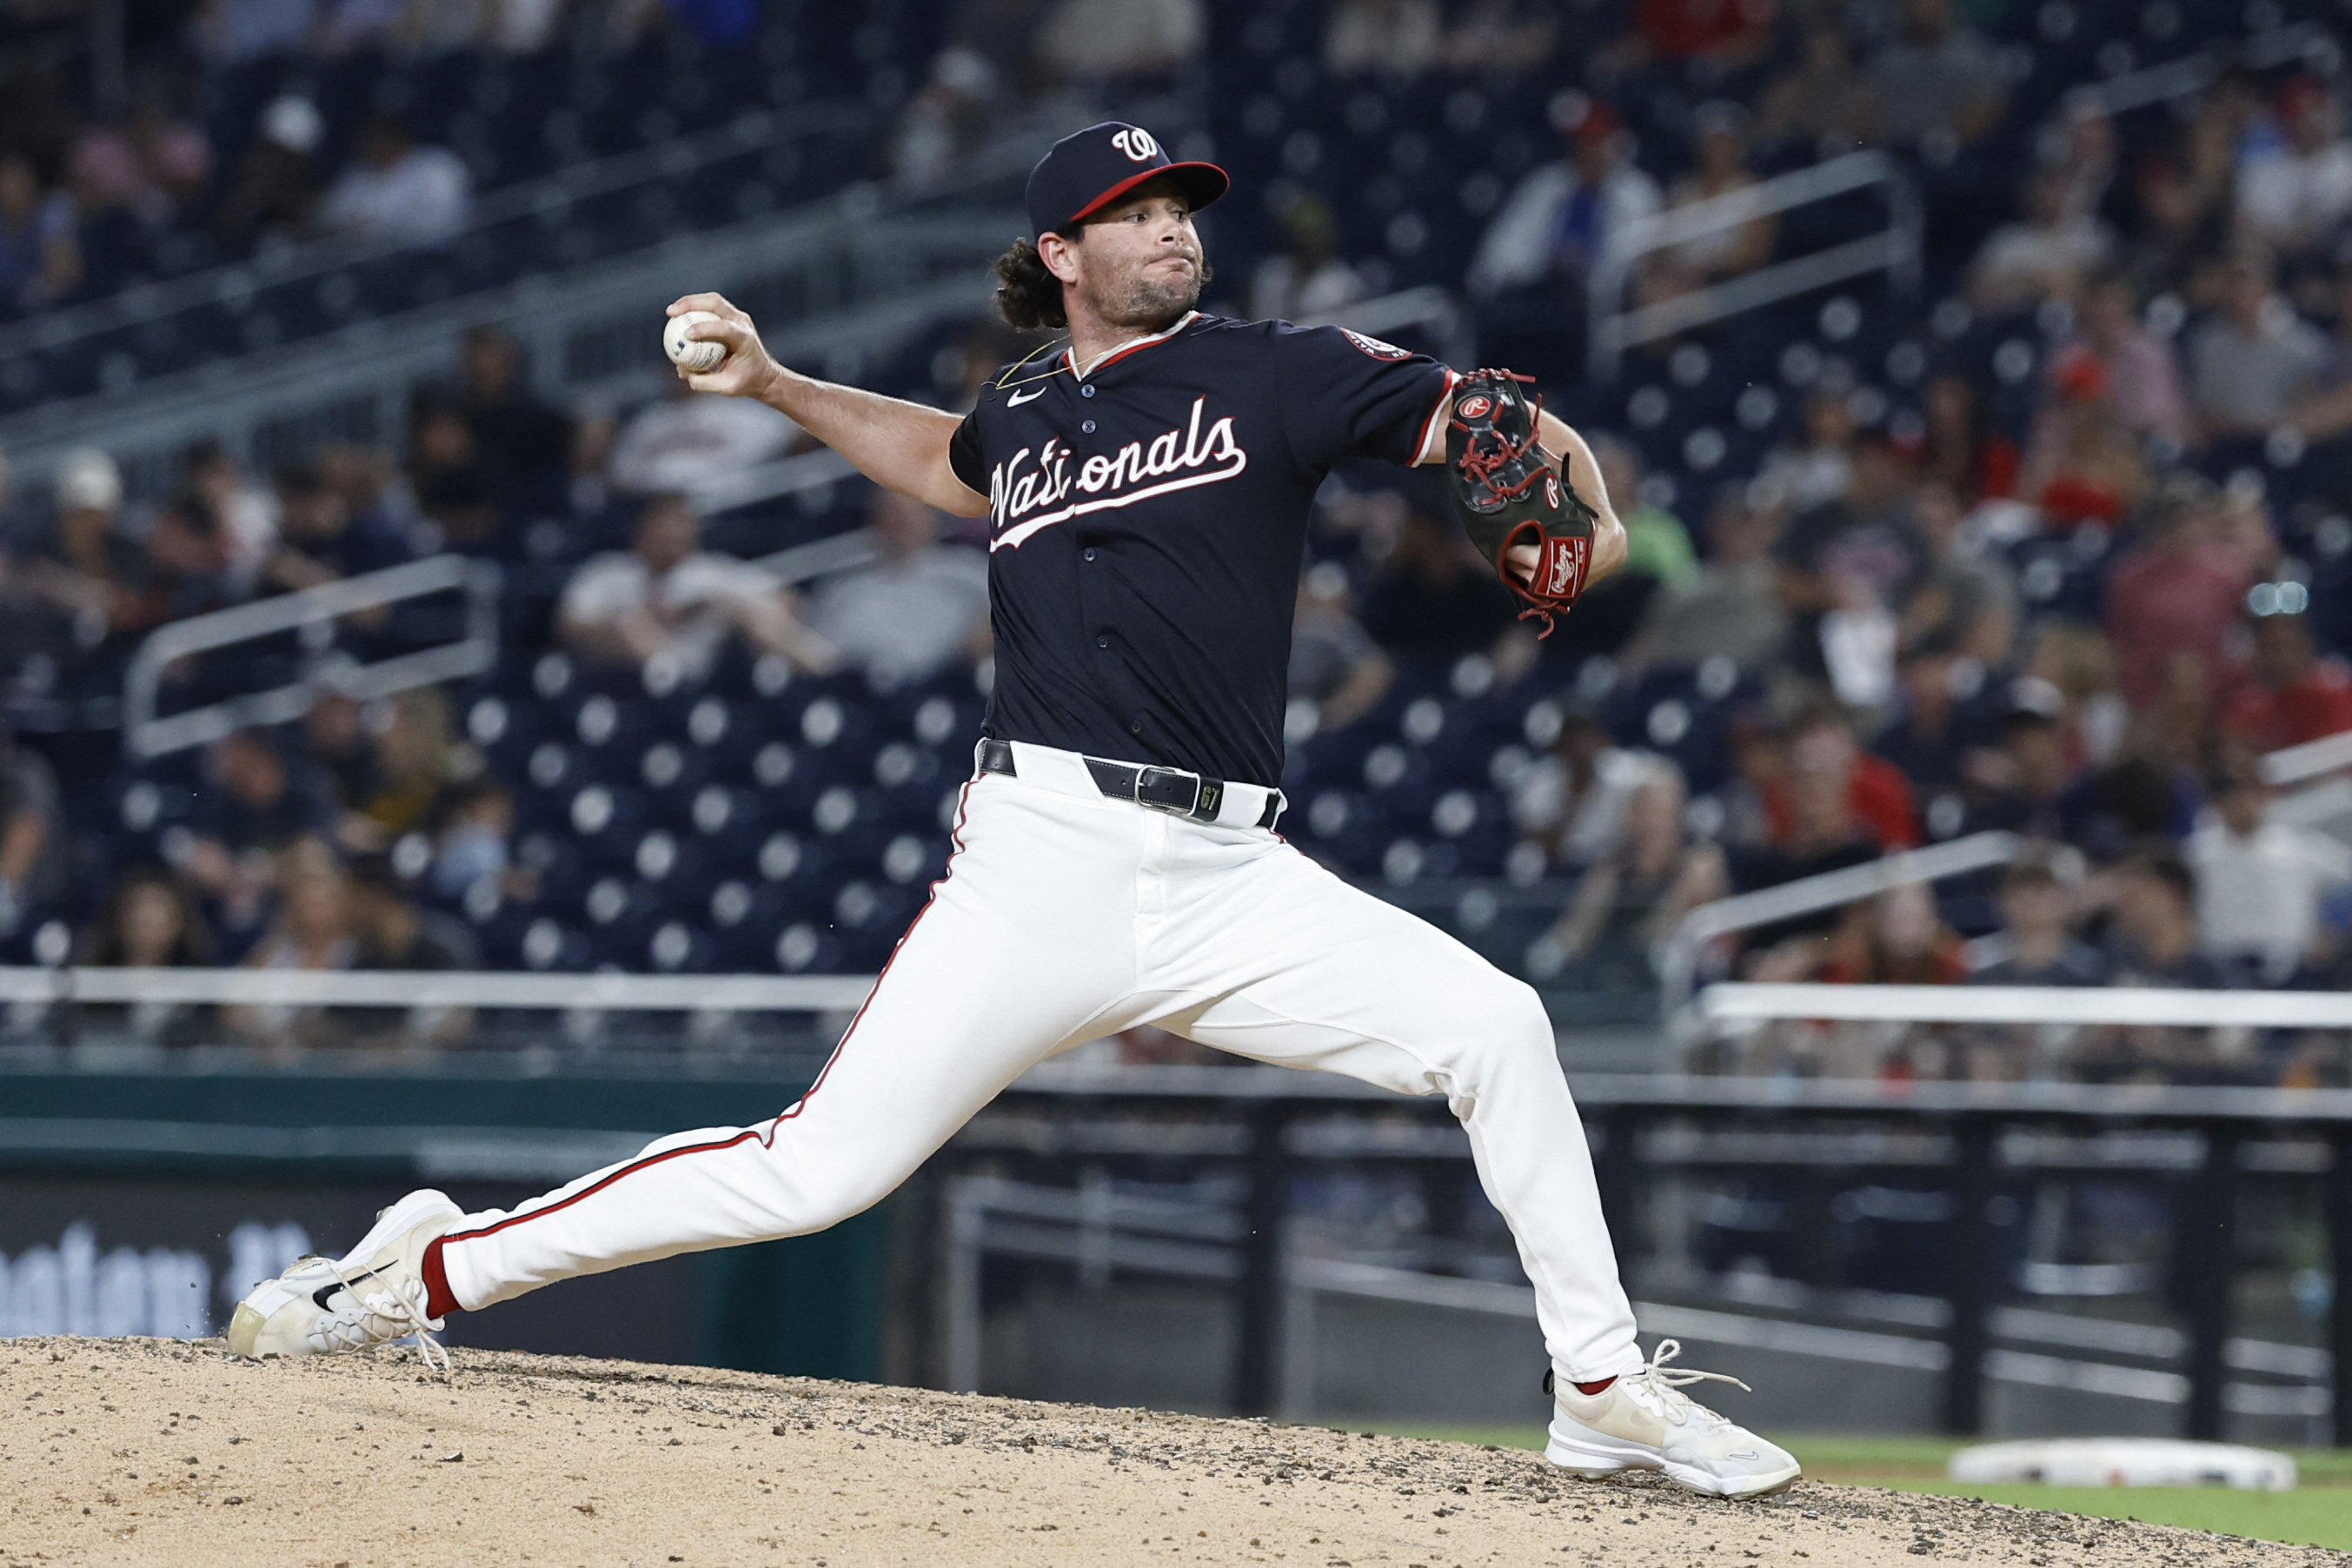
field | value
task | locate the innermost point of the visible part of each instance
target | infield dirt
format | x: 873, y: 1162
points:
x: 139, y: 1451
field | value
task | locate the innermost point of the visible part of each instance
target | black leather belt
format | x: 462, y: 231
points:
x: 1171, y: 790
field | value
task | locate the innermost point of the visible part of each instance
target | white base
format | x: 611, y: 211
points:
x: 2126, y: 1462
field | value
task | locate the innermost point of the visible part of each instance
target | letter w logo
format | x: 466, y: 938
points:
x: 1136, y: 142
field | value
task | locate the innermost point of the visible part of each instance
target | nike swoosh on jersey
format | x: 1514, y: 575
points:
x: 1016, y: 399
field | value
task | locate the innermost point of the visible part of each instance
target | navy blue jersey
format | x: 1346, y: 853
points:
x: 1146, y: 522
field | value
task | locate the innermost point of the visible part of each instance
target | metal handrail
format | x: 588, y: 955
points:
x: 1678, y: 960
x: 1747, y: 1002
x: 147, y: 735
x: 1896, y: 249
x: 2311, y: 760
x: 2193, y: 73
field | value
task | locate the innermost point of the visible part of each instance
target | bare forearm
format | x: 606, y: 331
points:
x: 900, y: 446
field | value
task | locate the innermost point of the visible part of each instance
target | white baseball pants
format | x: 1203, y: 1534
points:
x: 1064, y: 917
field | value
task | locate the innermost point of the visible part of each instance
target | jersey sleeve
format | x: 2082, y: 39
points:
x: 963, y: 455
x: 1345, y: 394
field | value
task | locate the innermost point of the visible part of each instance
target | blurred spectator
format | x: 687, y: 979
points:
x: 150, y: 166
x: 2142, y: 373
x: 2294, y: 696
x: 40, y: 245
x: 336, y: 741
x: 2152, y: 941
x: 1727, y: 34
x: 1719, y: 143
x: 232, y: 31
x: 669, y: 607
x: 35, y: 854
x: 246, y: 513
x: 1391, y: 38
x: 2254, y: 358
x: 1845, y: 568
x: 456, y: 489
x: 2084, y: 466
x: 1656, y: 545
x: 1823, y: 100
x: 2137, y: 800
x: 398, y: 193
x: 1728, y: 607
x: 2019, y: 782
x: 80, y: 565
x: 1560, y: 218
x: 183, y: 569
x: 2076, y: 662
x: 1814, y: 828
x: 396, y: 933
x: 2035, y: 945
x: 1571, y: 801
x: 2294, y: 191
x: 476, y: 844
x: 1501, y: 35
x: 690, y: 438
x: 1967, y: 595
x: 2260, y: 883
x: 1633, y: 896
x: 315, y: 927
x: 1938, y: 76
x: 1961, y: 449
x: 1823, y: 758
x: 418, y: 766
x: 948, y: 117
x: 147, y: 923
x: 255, y: 804
x: 276, y: 190
x: 1898, y: 938
x: 2046, y: 255
x: 1931, y: 731
x: 2173, y: 603
x: 2183, y: 191
x: 1334, y: 663
x: 1819, y: 467
x: 1434, y: 594
x: 320, y: 541
x: 919, y: 607
x: 1306, y: 277
x: 525, y: 442
x: 1104, y: 40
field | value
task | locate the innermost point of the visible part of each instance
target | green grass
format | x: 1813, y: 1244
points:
x: 2317, y: 1513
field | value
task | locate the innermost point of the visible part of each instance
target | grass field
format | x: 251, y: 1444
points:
x: 2317, y: 1513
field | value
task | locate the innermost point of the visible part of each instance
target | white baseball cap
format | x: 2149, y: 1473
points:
x: 88, y: 480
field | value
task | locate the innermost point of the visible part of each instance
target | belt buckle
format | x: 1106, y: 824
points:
x: 1143, y: 779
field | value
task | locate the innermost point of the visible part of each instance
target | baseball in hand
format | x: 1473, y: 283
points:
x: 695, y: 357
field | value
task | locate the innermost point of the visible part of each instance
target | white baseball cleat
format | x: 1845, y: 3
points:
x: 373, y: 1293
x: 1644, y: 1421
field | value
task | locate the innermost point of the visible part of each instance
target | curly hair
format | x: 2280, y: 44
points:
x: 1028, y: 297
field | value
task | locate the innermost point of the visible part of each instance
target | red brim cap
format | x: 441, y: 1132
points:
x: 1093, y: 169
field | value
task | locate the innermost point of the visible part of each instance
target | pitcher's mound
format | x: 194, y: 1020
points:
x: 154, y: 1451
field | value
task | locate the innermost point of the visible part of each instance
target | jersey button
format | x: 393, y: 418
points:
x: 1090, y: 555
x: 1087, y: 391
x: 1102, y: 642
x: 1135, y: 726
x: 1087, y: 428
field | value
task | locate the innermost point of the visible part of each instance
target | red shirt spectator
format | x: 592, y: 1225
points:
x: 2295, y: 696
x: 1876, y: 791
x: 1681, y: 29
x: 2176, y: 594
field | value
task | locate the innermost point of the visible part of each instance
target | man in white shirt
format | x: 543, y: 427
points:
x: 1565, y: 213
x: 664, y: 604
x: 687, y: 439
x: 2260, y: 883
x: 920, y: 606
x: 2292, y: 193
x: 398, y: 192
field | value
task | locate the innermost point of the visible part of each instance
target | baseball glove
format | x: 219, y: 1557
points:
x: 1511, y: 492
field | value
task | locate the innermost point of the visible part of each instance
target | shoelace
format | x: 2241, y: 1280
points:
x: 394, y: 1307
x: 1665, y: 1384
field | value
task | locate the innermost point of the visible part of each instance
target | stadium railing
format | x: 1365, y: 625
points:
x: 1679, y: 959
x: 853, y: 274
x: 311, y: 611
x: 1896, y: 250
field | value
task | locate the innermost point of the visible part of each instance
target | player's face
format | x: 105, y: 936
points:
x: 1140, y: 264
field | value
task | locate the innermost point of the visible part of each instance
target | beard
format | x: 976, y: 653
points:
x: 1149, y: 301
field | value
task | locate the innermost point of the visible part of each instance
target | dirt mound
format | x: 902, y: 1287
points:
x: 154, y: 1451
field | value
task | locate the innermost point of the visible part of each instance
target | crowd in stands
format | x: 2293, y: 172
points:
x: 2056, y: 545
